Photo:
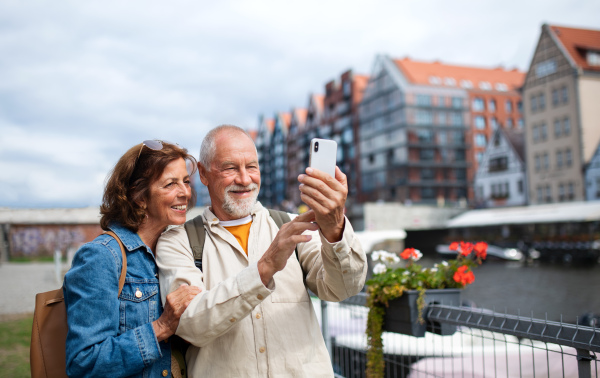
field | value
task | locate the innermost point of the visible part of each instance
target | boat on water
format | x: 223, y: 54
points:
x: 494, y: 251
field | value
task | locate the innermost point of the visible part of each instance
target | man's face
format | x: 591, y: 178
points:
x: 233, y: 178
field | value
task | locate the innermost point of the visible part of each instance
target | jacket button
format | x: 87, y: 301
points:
x: 165, y: 373
x: 262, y: 350
x: 138, y: 293
x: 259, y: 296
x: 257, y: 316
x: 232, y: 320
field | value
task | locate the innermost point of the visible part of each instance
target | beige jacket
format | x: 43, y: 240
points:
x: 239, y: 327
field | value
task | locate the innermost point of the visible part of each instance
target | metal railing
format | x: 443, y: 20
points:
x: 486, y: 344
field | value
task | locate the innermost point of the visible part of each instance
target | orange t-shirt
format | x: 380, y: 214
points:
x: 240, y: 228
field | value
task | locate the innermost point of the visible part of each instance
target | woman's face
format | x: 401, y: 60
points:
x: 169, y: 196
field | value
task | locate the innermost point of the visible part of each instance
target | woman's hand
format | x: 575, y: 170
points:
x: 176, y: 303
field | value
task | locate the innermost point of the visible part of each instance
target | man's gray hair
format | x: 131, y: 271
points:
x: 208, y: 147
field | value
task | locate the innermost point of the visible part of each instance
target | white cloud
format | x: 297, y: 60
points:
x: 84, y: 81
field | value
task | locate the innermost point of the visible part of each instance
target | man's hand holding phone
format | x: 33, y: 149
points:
x: 326, y: 196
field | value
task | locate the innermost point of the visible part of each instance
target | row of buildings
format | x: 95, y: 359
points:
x: 434, y: 133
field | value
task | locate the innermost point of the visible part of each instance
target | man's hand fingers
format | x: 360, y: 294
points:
x: 308, y: 216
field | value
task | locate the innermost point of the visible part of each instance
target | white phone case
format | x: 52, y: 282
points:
x: 323, y: 154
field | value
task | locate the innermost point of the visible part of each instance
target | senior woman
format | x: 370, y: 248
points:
x: 113, y: 335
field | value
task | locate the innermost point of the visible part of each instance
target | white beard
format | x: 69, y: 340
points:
x: 239, y: 208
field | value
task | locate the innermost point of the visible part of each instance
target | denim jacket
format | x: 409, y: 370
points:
x: 112, y: 336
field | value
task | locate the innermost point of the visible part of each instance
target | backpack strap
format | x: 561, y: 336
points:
x: 196, y: 234
x: 124, y: 268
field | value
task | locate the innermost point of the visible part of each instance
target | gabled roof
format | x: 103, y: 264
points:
x: 299, y: 114
x: 318, y: 100
x: 517, y: 139
x: 576, y: 43
x: 447, y: 75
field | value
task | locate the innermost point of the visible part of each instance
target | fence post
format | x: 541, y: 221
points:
x: 584, y: 360
x: 325, y: 327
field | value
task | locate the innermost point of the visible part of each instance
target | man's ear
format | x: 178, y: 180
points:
x: 202, y: 173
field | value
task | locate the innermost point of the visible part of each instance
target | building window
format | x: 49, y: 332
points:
x: 593, y: 58
x: 423, y: 100
x: 533, y: 99
x: 564, y: 95
x: 539, y: 194
x: 546, y: 161
x: 435, y: 80
x: 427, y: 154
x: 460, y: 174
x: 509, y: 106
x: 501, y: 87
x: 571, y: 191
x: 480, y: 140
x: 456, y: 102
x: 457, y: 119
x: 561, y: 192
x: 466, y: 84
x: 542, y: 101
x: 520, y: 124
x: 480, y: 122
x: 450, y: 81
x: 425, y: 136
x: 535, y: 133
x: 566, y: 126
x: 557, y: 128
x: 478, y: 104
x: 424, y: 117
x: 427, y: 174
x: 492, y: 105
x: 479, y: 156
x: 498, y: 164
x: 509, y: 123
x: 347, y: 86
x: 543, y: 131
x: 427, y: 193
x: 568, y: 157
x: 559, y: 159
x: 545, y: 68
x: 485, y: 85
x: 548, y: 193
x: 442, y: 119
x: 442, y: 102
x: 520, y: 186
x: 555, y: 97
x: 494, y: 123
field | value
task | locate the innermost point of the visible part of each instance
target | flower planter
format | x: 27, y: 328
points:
x: 403, y: 313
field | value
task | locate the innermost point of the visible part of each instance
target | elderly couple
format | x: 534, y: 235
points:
x: 247, y: 313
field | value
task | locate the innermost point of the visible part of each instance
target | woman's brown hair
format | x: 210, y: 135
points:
x: 129, y: 183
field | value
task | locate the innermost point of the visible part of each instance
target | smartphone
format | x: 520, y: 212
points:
x: 323, y: 154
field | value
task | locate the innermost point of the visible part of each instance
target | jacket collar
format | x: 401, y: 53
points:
x: 211, y: 219
x: 130, y: 239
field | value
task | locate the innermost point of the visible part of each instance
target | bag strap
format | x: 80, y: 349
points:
x: 124, y: 268
x: 197, y: 233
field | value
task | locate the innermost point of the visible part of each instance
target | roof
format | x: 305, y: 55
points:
x: 577, y: 42
x: 517, y: 139
x: 300, y: 115
x: 586, y: 211
x: 440, y: 74
x: 81, y: 215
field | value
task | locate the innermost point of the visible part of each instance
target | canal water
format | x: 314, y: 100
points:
x: 544, y: 289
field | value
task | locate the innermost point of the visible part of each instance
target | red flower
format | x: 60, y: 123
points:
x: 464, y: 276
x: 481, y: 250
x: 466, y: 248
x: 407, y: 253
x: 454, y: 246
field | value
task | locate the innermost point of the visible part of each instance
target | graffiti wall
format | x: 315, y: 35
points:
x: 36, y: 241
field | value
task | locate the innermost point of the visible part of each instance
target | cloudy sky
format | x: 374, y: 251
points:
x: 82, y: 81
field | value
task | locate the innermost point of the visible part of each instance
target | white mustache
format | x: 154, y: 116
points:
x: 234, y: 187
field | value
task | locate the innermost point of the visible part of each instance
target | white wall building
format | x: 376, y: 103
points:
x: 500, y: 179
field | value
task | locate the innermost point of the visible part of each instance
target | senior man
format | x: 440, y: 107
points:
x: 254, y: 317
